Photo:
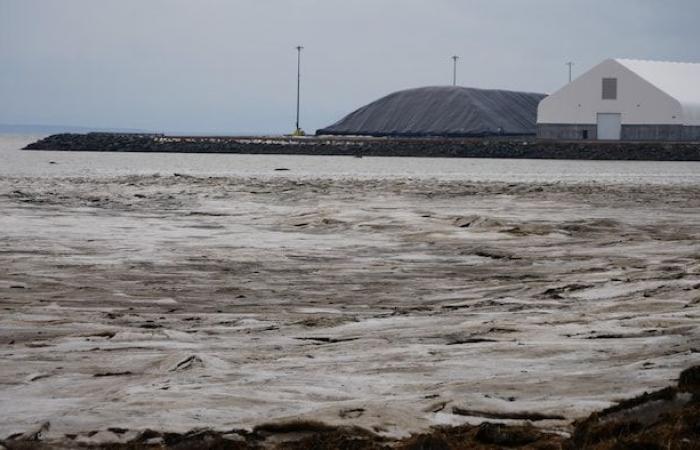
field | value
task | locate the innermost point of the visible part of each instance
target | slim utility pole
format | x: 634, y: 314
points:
x: 454, y: 70
x: 570, y: 64
x: 299, y: 49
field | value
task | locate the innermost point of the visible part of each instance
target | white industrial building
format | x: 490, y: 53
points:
x: 629, y: 100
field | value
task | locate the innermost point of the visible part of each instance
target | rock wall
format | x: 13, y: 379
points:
x: 527, y: 147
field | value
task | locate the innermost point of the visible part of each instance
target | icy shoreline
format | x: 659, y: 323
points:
x: 393, y: 305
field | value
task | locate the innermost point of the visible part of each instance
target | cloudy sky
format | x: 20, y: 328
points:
x: 229, y: 66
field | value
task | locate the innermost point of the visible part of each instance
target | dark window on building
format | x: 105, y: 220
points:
x: 609, y: 88
x: 584, y: 134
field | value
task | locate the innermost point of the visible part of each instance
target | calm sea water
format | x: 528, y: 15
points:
x: 15, y: 162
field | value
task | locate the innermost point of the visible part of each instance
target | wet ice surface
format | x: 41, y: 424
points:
x: 181, y: 302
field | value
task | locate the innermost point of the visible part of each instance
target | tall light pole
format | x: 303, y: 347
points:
x: 299, y: 48
x: 454, y: 70
x: 570, y: 64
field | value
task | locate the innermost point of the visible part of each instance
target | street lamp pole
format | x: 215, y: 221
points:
x: 570, y: 64
x: 299, y: 49
x: 454, y: 70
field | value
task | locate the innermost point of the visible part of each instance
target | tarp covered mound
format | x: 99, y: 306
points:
x: 443, y: 111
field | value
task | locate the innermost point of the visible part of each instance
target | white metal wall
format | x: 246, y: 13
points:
x: 639, y: 102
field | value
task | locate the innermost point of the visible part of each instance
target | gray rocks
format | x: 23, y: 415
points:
x: 516, y: 147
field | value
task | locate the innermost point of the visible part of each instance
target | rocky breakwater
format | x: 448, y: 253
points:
x: 511, y: 147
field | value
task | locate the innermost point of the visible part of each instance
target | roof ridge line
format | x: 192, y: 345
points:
x: 657, y: 61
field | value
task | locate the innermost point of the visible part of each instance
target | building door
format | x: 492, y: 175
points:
x: 609, y: 127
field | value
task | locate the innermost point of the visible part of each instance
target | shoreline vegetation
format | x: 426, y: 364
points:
x: 526, y: 147
x: 665, y: 419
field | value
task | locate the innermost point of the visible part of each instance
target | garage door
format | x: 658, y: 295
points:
x: 609, y: 127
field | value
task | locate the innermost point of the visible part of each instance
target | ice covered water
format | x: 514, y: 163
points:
x: 400, y: 290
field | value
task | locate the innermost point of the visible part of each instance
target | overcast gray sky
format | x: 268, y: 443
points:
x: 229, y: 66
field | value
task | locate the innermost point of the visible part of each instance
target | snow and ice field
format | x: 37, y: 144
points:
x: 175, y: 302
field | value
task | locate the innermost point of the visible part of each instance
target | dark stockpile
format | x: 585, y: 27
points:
x: 444, y: 111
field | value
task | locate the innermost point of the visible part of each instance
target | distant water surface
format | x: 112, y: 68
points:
x: 16, y: 162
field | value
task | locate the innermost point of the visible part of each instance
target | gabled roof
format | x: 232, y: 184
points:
x: 679, y: 80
